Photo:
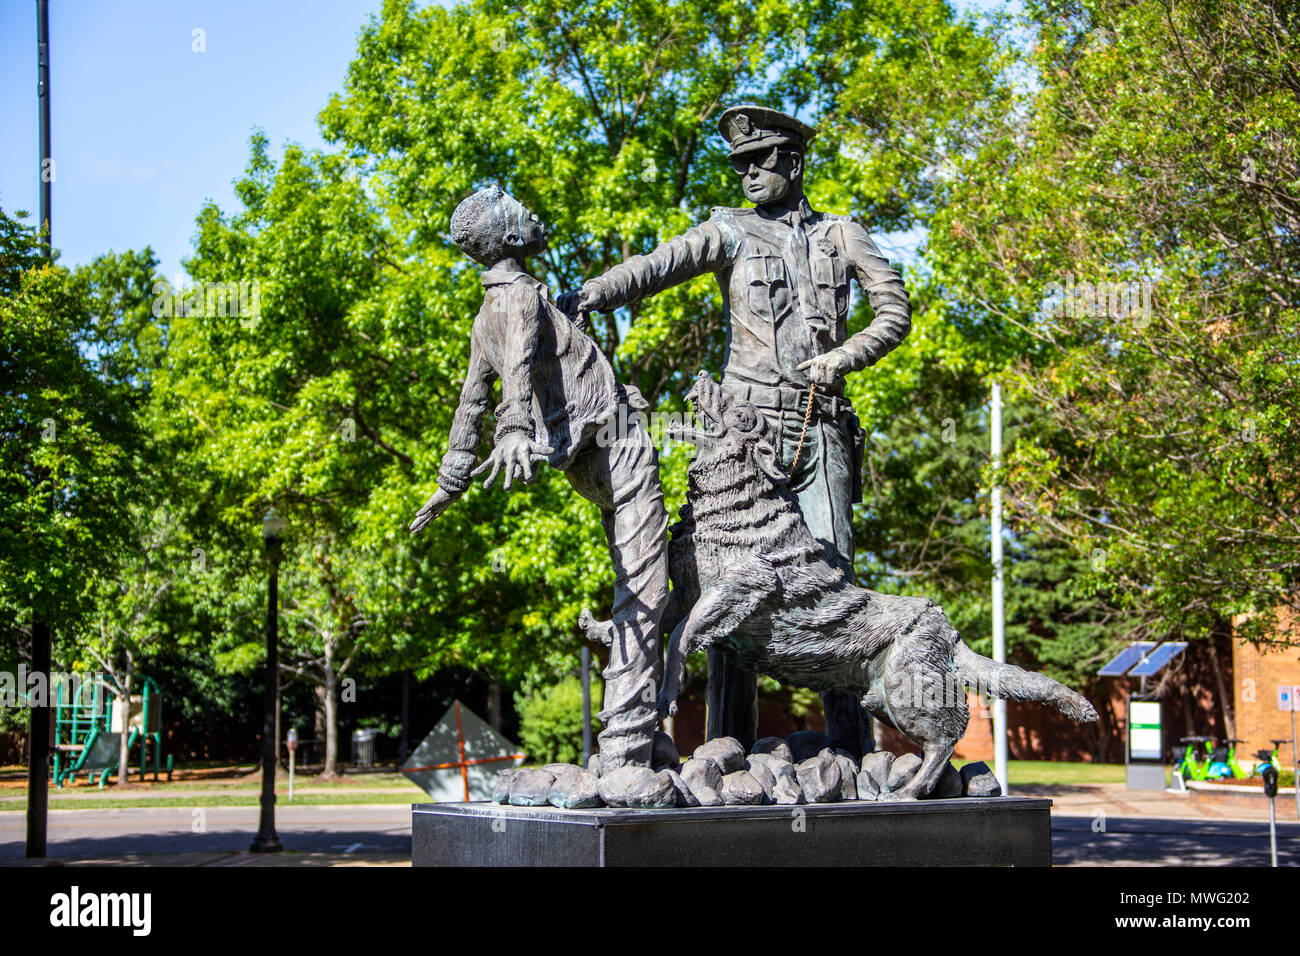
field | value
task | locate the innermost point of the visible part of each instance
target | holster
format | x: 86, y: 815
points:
x: 859, y: 435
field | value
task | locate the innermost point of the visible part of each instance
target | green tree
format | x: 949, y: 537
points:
x: 1128, y: 227
x: 550, y: 721
x: 70, y: 438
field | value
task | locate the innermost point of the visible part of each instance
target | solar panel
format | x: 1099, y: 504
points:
x: 1157, y: 659
x: 1125, y: 659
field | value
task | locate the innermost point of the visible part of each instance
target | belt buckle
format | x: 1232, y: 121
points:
x: 805, y: 396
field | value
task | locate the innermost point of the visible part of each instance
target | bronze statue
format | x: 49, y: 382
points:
x: 784, y: 271
x: 557, y: 391
x: 762, y: 556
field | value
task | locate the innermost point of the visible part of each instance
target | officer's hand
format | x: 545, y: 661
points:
x: 515, y: 453
x: 826, y: 368
x: 572, y: 303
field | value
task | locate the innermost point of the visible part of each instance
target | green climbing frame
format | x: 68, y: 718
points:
x: 86, y: 740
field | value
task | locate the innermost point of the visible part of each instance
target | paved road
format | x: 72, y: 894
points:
x: 86, y: 834
x: 381, y: 831
x: 1155, y: 841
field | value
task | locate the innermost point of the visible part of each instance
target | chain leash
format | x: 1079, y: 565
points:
x: 812, y: 390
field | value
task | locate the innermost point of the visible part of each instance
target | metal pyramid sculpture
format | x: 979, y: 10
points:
x: 460, y: 758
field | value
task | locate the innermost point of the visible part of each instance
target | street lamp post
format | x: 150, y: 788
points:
x: 272, y: 531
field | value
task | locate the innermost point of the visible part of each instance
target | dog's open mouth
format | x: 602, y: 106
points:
x: 706, y: 396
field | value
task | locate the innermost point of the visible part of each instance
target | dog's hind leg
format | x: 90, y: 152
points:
x: 935, y: 754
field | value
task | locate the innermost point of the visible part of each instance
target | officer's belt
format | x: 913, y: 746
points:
x: 786, y: 398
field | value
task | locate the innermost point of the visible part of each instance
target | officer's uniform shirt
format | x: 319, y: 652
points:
x: 785, y: 289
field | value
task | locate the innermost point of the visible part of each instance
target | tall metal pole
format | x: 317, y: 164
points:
x: 999, y: 638
x: 1295, y: 755
x: 38, y: 755
x: 1272, y: 830
x: 267, y: 841
x: 43, y: 99
x: 586, y: 704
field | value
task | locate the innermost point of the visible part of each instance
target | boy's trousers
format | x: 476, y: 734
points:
x: 619, y: 472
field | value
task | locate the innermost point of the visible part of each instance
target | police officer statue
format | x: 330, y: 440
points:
x: 784, y: 271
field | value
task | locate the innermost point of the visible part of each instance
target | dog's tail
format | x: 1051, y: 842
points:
x: 1015, y: 683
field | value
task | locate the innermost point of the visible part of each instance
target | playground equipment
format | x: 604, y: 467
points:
x: 86, y: 727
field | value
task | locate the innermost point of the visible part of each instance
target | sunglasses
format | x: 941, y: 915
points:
x: 741, y: 164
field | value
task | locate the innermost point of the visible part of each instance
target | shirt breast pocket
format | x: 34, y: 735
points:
x: 831, y: 275
x: 769, y: 286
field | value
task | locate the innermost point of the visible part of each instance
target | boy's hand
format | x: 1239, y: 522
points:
x: 515, y: 453
x: 432, y: 508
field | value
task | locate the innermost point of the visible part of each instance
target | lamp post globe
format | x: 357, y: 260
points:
x: 273, y: 525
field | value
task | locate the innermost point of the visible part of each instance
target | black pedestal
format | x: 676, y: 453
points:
x: 972, y: 831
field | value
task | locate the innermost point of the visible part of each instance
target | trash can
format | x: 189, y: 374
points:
x: 363, y: 747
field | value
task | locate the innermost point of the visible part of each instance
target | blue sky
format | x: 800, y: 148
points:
x: 145, y: 129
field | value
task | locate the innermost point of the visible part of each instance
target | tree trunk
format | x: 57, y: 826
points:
x: 404, y: 749
x: 331, y: 713
x: 1221, y: 686
x: 494, y: 705
x: 1189, y: 705
x: 318, y: 725
x: 124, y: 715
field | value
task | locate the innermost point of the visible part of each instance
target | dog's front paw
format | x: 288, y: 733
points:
x: 666, y: 706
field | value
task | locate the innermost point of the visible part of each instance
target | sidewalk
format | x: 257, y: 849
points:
x: 1116, y: 800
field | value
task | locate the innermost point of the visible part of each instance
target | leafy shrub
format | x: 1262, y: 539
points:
x: 550, y: 721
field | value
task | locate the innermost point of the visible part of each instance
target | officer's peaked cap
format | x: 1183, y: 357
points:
x: 748, y: 128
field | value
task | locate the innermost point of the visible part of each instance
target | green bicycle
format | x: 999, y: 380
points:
x: 1238, y: 771
x: 1272, y: 760
x: 1191, y: 768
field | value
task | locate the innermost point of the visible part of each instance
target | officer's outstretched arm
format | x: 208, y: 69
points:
x: 887, y: 295
x: 701, y: 249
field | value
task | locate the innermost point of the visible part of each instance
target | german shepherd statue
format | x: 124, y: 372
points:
x: 749, y: 578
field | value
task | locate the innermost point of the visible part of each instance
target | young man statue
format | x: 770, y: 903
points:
x: 557, y: 391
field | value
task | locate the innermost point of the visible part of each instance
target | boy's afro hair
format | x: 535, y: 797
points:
x: 479, y: 224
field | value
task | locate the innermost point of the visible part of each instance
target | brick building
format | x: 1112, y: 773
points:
x: 1258, y: 673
